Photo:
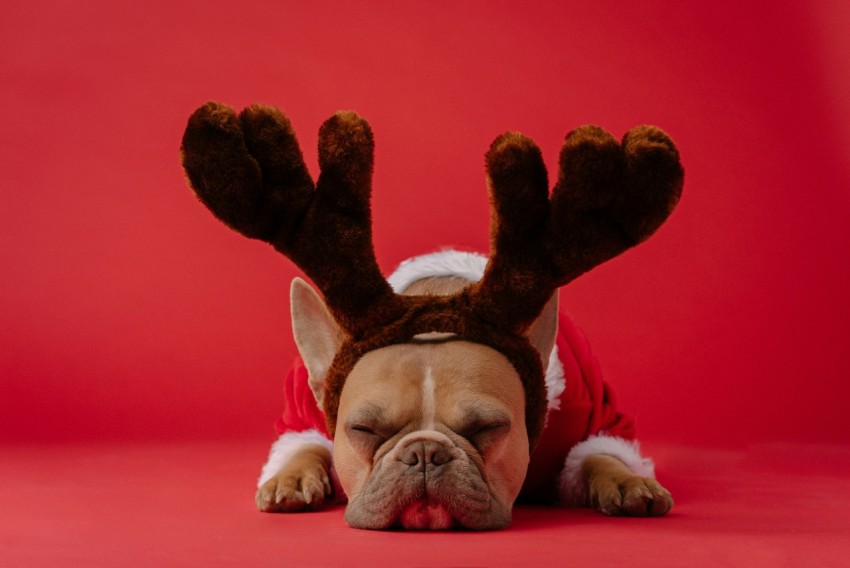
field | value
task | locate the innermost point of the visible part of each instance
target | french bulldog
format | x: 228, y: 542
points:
x: 435, y: 399
x: 432, y: 434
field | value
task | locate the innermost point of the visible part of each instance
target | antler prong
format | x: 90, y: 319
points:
x: 271, y: 140
x: 519, y: 205
x: 655, y: 178
x: 339, y: 228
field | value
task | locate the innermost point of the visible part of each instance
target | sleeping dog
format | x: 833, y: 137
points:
x: 435, y: 399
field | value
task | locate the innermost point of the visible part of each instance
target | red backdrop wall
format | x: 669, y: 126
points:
x: 127, y: 311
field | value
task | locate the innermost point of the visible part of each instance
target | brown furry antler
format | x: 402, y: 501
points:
x: 608, y: 197
x: 249, y: 171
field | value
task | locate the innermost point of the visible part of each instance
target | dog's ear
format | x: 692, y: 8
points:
x: 317, y: 335
x: 544, y: 330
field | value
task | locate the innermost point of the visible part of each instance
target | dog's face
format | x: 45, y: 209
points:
x: 430, y: 434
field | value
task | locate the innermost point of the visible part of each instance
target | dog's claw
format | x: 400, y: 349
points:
x: 292, y: 493
x: 633, y: 497
x: 312, y: 490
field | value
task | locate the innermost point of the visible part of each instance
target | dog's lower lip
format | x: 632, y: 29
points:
x: 426, y: 514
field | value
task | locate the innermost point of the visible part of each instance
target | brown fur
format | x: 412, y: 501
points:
x: 609, y: 196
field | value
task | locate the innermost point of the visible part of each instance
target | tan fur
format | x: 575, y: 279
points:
x: 436, y: 286
x: 302, y: 483
x: 463, y: 372
x: 316, y: 334
x: 614, y: 489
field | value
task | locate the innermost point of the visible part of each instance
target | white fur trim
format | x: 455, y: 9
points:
x: 572, y: 487
x: 286, y: 446
x: 555, y: 382
x: 469, y: 265
x: 446, y: 262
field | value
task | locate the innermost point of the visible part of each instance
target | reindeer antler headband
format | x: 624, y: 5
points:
x: 249, y: 171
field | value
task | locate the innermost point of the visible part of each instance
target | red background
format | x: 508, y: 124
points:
x: 128, y: 313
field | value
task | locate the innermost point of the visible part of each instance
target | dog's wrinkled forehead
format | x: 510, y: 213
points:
x: 421, y: 384
x: 515, y: 348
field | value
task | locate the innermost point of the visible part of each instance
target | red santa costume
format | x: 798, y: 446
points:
x: 582, y: 419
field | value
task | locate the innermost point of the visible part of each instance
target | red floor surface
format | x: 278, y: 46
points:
x: 137, y: 332
x: 191, y: 505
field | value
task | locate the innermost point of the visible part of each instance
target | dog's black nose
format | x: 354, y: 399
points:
x: 423, y: 453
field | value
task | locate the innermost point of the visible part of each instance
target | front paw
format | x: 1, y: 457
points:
x: 630, y: 495
x: 294, y: 490
x: 614, y: 489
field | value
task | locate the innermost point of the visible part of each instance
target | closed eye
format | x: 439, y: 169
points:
x: 365, y: 438
x: 362, y: 429
x: 480, y: 429
x: 368, y: 420
x: 483, y: 435
x: 483, y: 419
